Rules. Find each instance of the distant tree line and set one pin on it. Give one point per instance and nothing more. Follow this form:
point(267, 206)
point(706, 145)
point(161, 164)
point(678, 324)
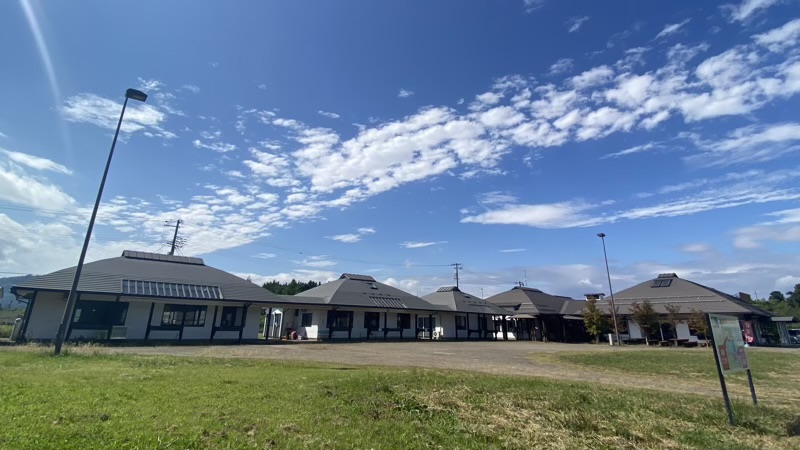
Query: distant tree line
point(781, 304)
point(291, 288)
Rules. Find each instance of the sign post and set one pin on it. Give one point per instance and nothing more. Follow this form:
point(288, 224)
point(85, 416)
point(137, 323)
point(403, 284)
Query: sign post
point(729, 354)
point(718, 359)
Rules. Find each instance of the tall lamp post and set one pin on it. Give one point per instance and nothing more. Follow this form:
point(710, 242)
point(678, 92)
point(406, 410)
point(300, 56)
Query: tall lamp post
point(73, 292)
point(602, 237)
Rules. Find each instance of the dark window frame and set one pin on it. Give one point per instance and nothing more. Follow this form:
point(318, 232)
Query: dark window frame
point(178, 315)
point(238, 313)
point(661, 283)
point(304, 322)
point(404, 321)
point(372, 320)
point(340, 320)
point(461, 322)
point(97, 313)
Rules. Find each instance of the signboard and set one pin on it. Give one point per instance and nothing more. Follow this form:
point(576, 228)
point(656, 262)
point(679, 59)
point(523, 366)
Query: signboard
point(728, 343)
point(749, 335)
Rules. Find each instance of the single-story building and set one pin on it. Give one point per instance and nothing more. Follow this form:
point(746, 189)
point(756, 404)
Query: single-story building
point(540, 316)
point(474, 317)
point(360, 307)
point(144, 297)
point(759, 327)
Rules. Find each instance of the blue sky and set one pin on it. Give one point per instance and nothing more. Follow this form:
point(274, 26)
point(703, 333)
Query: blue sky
point(306, 139)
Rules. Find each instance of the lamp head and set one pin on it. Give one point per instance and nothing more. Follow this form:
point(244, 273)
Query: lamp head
point(601, 235)
point(136, 95)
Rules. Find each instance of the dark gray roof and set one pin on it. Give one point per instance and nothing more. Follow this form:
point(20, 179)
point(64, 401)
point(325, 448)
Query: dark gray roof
point(687, 294)
point(573, 307)
point(456, 300)
point(106, 276)
point(364, 292)
point(525, 300)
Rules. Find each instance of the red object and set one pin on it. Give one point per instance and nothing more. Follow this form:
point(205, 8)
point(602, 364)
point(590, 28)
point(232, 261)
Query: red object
point(723, 357)
point(293, 336)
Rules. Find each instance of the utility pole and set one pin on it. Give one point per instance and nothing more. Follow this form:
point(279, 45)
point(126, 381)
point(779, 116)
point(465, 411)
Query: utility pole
point(175, 237)
point(457, 266)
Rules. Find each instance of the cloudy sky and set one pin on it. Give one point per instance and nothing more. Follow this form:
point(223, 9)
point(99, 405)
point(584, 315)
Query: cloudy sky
point(306, 139)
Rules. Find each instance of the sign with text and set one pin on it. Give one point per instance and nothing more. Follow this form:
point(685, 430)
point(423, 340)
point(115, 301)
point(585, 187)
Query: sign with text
point(729, 343)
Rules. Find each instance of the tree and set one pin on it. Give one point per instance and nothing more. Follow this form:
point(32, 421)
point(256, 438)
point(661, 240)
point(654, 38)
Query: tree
point(593, 319)
point(776, 297)
point(672, 316)
point(793, 297)
point(697, 320)
point(291, 288)
point(645, 316)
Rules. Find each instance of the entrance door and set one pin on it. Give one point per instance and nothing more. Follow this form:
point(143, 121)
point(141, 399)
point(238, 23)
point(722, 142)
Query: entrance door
point(275, 328)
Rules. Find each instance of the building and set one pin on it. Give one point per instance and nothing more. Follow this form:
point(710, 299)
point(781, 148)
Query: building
point(540, 316)
point(760, 327)
point(473, 318)
point(359, 307)
point(145, 297)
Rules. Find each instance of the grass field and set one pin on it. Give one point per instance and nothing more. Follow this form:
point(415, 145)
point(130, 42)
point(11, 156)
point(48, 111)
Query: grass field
point(82, 401)
point(775, 375)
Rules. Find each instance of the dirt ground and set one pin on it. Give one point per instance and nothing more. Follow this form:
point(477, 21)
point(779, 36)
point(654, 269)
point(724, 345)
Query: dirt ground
point(508, 358)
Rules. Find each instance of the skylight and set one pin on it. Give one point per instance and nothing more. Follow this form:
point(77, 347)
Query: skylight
point(661, 282)
point(162, 289)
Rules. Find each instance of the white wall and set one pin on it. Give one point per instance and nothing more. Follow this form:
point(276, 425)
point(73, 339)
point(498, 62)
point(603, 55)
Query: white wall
point(48, 308)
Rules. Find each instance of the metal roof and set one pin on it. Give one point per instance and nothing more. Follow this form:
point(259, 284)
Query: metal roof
point(106, 276)
point(361, 291)
point(455, 300)
point(687, 294)
point(525, 300)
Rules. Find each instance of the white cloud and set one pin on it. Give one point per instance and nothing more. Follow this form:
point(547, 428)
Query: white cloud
point(317, 262)
point(262, 86)
point(635, 149)
point(747, 144)
point(321, 276)
point(512, 250)
point(346, 238)
point(561, 66)
point(220, 147)
point(574, 24)
point(3, 135)
point(496, 197)
point(103, 112)
point(366, 230)
point(672, 29)
point(592, 77)
point(782, 38)
point(533, 5)
point(786, 228)
point(19, 187)
point(696, 248)
point(747, 8)
point(35, 162)
point(408, 285)
point(192, 88)
point(150, 85)
point(327, 114)
point(264, 255)
point(405, 93)
point(556, 215)
point(412, 244)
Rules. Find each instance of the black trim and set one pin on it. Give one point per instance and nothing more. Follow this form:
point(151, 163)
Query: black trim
point(149, 320)
point(244, 321)
point(213, 324)
point(27, 316)
point(72, 316)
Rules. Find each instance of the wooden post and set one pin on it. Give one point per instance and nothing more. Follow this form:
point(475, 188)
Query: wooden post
point(719, 372)
point(350, 330)
point(71, 319)
point(331, 319)
point(416, 330)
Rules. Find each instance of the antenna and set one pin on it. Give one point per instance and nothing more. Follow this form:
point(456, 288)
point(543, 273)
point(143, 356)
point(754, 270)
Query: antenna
point(457, 267)
point(525, 273)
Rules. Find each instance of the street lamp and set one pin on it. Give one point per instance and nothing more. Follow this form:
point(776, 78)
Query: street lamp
point(73, 292)
point(602, 237)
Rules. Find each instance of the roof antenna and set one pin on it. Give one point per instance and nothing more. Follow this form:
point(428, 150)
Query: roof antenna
point(457, 266)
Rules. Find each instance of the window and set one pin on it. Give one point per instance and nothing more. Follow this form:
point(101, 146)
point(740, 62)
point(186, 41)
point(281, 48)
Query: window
point(306, 320)
point(231, 316)
point(461, 322)
point(404, 321)
point(425, 322)
point(661, 282)
point(372, 320)
point(186, 315)
point(161, 289)
point(340, 320)
point(99, 314)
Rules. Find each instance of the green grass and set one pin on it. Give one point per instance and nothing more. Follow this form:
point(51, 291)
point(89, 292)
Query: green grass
point(8, 315)
point(82, 401)
point(5, 330)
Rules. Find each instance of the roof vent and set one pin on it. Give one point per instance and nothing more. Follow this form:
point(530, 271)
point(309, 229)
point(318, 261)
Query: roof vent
point(165, 258)
point(667, 275)
point(356, 277)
